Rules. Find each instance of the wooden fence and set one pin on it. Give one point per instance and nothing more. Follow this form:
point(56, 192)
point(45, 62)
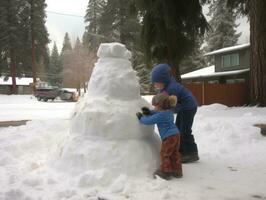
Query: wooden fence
point(235, 94)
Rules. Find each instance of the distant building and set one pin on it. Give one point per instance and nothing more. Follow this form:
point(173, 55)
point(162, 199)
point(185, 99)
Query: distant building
point(227, 81)
point(24, 85)
point(231, 64)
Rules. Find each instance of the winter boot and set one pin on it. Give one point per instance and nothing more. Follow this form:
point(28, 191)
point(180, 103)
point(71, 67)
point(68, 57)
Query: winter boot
point(163, 175)
point(192, 157)
point(177, 174)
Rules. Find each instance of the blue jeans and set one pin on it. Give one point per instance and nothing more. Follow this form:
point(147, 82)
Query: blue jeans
point(184, 121)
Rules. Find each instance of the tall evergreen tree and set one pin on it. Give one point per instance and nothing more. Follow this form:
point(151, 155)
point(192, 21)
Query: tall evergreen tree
point(91, 37)
point(43, 66)
point(11, 35)
point(120, 23)
point(114, 21)
point(195, 60)
point(223, 24)
point(55, 68)
point(171, 27)
point(66, 44)
point(255, 10)
point(16, 28)
point(38, 34)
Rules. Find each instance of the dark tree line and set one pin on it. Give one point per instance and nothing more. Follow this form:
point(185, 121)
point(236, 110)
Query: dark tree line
point(23, 37)
point(154, 30)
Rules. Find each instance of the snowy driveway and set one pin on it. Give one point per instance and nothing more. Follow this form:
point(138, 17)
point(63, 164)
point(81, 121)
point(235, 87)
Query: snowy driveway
point(26, 107)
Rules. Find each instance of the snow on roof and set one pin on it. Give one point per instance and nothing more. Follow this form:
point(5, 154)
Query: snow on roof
point(200, 72)
point(210, 72)
point(19, 81)
point(228, 49)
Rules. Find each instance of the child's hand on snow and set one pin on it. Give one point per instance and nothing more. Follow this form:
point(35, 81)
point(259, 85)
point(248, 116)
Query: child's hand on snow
point(146, 111)
point(139, 115)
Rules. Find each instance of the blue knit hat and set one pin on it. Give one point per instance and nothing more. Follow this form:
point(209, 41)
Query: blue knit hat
point(161, 73)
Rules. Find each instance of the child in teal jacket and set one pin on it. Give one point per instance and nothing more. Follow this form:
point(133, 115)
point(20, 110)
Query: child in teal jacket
point(164, 118)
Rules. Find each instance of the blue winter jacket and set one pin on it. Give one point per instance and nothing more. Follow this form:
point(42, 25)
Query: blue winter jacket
point(164, 121)
point(161, 73)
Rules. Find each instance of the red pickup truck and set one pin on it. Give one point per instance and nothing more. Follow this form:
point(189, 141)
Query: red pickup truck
point(51, 93)
point(46, 93)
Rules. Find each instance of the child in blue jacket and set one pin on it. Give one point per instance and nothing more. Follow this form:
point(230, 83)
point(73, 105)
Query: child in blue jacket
point(186, 109)
point(164, 118)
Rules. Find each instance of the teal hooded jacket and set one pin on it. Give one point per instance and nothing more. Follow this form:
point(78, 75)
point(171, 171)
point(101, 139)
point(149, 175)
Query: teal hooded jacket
point(164, 121)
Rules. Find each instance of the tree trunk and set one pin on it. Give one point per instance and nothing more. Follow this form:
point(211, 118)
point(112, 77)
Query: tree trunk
point(33, 61)
point(258, 51)
point(13, 71)
point(172, 60)
point(33, 52)
point(122, 14)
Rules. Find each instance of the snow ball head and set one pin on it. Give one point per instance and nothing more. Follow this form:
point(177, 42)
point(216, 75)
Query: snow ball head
point(113, 50)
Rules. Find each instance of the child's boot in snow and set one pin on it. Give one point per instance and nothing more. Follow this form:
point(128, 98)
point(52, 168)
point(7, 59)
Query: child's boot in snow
point(177, 174)
point(163, 175)
point(192, 157)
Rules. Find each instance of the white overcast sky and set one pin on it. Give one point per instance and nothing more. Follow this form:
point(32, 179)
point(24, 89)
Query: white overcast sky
point(58, 25)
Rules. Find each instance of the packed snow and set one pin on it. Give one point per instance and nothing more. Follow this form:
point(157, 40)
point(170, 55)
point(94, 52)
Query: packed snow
point(54, 157)
point(232, 158)
point(106, 118)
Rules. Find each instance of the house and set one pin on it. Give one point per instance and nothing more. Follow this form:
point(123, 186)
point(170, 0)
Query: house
point(24, 85)
point(226, 81)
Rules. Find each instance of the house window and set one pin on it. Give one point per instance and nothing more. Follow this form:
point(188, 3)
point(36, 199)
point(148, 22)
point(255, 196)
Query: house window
point(230, 60)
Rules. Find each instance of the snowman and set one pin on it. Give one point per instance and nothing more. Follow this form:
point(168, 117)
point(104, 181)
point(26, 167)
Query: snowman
point(106, 138)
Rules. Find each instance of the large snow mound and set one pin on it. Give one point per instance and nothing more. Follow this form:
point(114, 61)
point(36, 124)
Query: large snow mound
point(105, 132)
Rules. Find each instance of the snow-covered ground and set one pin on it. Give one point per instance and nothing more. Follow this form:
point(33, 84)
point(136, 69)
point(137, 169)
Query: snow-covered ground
point(26, 107)
point(232, 158)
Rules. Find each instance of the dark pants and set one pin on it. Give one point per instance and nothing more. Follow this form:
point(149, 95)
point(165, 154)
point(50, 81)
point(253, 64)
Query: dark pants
point(184, 122)
point(170, 156)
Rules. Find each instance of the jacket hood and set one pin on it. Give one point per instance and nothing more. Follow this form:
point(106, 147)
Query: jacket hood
point(161, 73)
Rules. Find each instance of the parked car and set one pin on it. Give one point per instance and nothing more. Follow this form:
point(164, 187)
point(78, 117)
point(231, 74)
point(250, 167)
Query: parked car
point(46, 93)
point(68, 94)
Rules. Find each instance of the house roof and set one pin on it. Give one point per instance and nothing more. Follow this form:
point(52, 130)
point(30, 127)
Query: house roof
point(208, 72)
point(19, 81)
point(228, 49)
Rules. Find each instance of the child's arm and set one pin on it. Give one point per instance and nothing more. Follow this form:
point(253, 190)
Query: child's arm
point(149, 120)
point(147, 111)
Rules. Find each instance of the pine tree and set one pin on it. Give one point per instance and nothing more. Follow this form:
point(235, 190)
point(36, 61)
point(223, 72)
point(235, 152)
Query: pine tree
point(91, 37)
point(119, 23)
point(195, 60)
point(223, 24)
point(43, 66)
point(66, 44)
point(55, 68)
point(11, 32)
point(171, 27)
point(38, 34)
point(143, 72)
point(16, 28)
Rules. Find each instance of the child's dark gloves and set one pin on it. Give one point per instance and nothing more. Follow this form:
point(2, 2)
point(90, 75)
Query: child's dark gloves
point(139, 115)
point(146, 111)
